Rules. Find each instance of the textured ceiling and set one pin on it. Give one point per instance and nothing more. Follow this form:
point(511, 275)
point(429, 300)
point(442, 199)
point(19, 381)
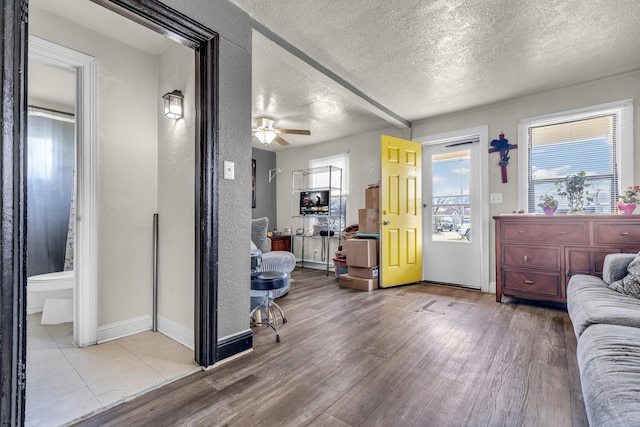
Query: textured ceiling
point(415, 58)
point(421, 58)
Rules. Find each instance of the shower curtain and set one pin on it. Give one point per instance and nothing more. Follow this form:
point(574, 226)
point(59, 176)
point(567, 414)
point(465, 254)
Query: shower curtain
point(50, 188)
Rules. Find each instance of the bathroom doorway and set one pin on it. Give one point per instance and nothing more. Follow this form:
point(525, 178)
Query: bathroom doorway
point(62, 88)
point(204, 43)
point(146, 165)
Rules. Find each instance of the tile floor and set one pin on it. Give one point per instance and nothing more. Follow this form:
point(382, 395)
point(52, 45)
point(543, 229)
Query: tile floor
point(65, 382)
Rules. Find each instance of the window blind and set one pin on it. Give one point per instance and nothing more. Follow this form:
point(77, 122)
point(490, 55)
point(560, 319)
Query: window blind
point(593, 142)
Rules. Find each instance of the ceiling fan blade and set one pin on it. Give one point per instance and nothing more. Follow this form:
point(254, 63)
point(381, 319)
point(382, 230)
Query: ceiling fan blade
point(295, 131)
point(281, 141)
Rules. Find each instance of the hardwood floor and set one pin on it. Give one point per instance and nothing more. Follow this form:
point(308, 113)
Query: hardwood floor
point(417, 355)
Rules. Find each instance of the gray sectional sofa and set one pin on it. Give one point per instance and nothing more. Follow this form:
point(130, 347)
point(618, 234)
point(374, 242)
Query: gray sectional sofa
point(607, 325)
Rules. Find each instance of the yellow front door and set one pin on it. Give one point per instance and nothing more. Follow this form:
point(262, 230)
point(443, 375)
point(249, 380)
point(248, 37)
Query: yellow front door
point(400, 212)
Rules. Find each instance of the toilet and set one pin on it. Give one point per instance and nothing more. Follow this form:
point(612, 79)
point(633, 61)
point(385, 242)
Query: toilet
point(51, 294)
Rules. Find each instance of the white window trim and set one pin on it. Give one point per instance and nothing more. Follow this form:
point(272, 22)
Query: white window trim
point(624, 154)
point(326, 160)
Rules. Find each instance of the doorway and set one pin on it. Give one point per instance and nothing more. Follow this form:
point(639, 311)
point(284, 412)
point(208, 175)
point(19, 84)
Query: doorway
point(13, 287)
point(455, 214)
point(82, 104)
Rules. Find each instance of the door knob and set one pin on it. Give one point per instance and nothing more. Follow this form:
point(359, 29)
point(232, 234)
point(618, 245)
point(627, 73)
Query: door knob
point(385, 222)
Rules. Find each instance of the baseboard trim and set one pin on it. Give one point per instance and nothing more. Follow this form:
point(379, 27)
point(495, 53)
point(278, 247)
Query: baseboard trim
point(113, 331)
point(176, 332)
point(230, 346)
point(492, 287)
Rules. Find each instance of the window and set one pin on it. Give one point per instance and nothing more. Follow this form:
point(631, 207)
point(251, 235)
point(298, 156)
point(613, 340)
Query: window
point(339, 185)
point(596, 140)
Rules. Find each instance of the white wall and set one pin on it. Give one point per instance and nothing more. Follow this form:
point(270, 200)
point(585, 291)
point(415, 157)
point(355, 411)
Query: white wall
point(504, 117)
point(127, 163)
point(176, 198)
point(364, 169)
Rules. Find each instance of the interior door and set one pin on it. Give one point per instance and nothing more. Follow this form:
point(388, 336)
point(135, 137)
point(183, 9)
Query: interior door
point(453, 228)
point(401, 212)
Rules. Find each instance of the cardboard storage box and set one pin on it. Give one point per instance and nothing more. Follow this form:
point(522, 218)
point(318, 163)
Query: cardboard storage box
point(361, 252)
point(346, 281)
point(363, 272)
point(372, 198)
point(369, 221)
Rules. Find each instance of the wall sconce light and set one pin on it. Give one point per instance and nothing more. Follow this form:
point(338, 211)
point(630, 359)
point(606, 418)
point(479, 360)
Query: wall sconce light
point(266, 136)
point(173, 104)
point(273, 173)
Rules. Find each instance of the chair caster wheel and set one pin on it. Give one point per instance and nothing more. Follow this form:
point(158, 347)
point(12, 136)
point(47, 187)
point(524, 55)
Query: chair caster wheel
point(277, 338)
point(284, 320)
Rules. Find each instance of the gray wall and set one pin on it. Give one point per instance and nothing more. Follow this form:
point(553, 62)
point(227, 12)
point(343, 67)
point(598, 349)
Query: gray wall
point(234, 218)
point(266, 192)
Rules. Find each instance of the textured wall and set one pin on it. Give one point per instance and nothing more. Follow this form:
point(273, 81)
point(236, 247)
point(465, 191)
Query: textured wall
point(266, 192)
point(176, 196)
point(235, 145)
point(504, 117)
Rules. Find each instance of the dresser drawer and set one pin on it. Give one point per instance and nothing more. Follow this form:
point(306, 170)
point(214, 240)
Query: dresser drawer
point(569, 232)
point(617, 234)
point(534, 285)
point(531, 256)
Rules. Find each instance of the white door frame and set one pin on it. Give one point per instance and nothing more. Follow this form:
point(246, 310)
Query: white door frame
point(483, 197)
point(85, 296)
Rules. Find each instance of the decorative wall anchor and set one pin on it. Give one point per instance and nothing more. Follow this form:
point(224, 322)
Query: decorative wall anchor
point(502, 146)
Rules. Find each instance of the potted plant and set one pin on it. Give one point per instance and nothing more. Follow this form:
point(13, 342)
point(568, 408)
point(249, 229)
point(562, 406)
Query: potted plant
point(574, 189)
point(548, 204)
point(629, 200)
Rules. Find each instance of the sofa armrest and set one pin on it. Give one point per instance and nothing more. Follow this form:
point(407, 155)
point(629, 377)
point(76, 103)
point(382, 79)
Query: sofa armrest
point(615, 267)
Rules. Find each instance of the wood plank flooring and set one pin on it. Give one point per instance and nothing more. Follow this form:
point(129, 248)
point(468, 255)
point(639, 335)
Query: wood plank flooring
point(417, 355)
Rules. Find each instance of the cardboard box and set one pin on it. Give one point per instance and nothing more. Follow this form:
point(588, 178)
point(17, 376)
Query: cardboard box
point(369, 221)
point(361, 252)
point(346, 281)
point(372, 198)
point(363, 272)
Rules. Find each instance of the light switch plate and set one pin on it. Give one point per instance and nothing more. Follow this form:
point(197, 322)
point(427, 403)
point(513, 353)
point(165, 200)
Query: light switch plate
point(495, 198)
point(229, 170)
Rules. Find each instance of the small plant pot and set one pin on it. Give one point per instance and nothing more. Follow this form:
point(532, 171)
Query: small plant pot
point(549, 210)
point(626, 208)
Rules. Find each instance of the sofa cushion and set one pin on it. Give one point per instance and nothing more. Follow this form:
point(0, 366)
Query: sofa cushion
point(609, 361)
point(615, 266)
point(629, 284)
point(259, 234)
point(591, 301)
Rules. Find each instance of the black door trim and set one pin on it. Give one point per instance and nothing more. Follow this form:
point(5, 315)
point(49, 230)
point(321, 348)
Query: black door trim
point(205, 42)
point(13, 255)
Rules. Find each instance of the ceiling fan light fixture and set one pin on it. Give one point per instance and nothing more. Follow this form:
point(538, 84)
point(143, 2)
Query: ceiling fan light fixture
point(265, 136)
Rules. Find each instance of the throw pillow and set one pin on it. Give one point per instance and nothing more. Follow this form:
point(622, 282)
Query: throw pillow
point(629, 284)
point(259, 234)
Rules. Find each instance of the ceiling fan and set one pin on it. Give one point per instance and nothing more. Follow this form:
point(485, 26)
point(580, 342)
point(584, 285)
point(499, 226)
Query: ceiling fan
point(266, 133)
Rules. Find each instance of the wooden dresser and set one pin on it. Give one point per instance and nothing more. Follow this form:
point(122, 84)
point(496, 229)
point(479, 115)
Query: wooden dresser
point(536, 255)
point(281, 242)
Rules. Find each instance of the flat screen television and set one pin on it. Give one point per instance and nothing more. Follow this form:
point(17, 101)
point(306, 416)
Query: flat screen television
point(314, 202)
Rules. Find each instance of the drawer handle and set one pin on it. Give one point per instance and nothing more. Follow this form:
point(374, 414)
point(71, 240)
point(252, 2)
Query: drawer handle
point(528, 282)
point(521, 231)
point(525, 258)
point(624, 233)
point(562, 232)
